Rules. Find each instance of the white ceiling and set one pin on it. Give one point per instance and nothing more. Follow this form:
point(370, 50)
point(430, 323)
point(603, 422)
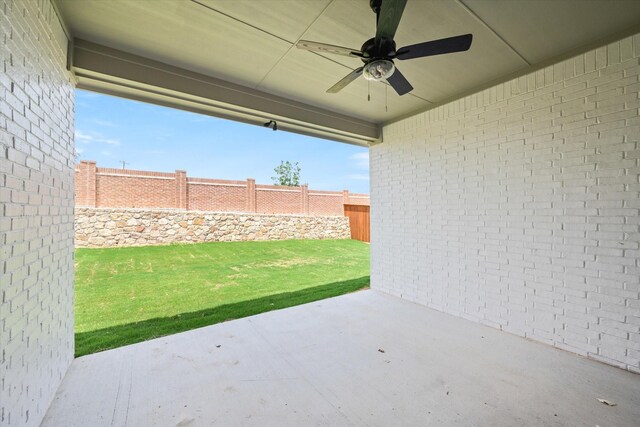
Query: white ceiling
point(251, 42)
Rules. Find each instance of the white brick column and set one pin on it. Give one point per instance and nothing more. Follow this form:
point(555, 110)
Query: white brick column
point(36, 210)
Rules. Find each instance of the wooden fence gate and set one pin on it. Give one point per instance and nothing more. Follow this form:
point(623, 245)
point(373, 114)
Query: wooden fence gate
point(358, 221)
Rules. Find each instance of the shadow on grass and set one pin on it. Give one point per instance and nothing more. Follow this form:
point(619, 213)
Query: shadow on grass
point(117, 336)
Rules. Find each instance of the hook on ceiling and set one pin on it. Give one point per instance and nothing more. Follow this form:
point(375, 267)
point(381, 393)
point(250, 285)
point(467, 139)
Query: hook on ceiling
point(271, 124)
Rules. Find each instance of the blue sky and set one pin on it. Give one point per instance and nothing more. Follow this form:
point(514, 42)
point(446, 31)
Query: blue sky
point(150, 137)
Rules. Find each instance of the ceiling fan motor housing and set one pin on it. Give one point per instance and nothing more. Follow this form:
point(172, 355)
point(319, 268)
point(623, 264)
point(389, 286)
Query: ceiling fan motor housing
point(378, 48)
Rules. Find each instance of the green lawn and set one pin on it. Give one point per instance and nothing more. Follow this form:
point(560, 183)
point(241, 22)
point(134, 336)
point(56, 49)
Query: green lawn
point(128, 295)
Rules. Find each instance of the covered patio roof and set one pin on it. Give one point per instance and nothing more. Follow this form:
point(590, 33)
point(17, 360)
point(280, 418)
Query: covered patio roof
point(360, 359)
point(237, 59)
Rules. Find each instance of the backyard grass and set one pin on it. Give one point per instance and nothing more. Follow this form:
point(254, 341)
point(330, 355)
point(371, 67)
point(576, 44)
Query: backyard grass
point(128, 295)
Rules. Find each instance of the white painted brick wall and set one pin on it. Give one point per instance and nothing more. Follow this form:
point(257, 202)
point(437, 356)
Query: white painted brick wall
point(36, 210)
point(519, 206)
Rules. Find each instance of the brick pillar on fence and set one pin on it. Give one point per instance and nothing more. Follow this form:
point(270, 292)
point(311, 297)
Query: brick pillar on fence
point(304, 193)
point(181, 189)
point(252, 205)
point(86, 183)
point(345, 199)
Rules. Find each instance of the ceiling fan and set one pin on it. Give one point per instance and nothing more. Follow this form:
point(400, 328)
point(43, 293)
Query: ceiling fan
point(379, 52)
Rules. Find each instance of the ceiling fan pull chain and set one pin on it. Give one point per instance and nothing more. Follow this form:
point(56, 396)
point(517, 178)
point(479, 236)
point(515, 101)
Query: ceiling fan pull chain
point(369, 90)
point(386, 104)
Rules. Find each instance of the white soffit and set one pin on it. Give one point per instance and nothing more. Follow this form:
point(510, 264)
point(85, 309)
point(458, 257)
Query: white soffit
point(115, 72)
point(251, 43)
point(537, 28)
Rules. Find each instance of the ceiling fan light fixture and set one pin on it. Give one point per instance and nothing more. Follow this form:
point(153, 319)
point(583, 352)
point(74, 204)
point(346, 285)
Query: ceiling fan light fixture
point(378, 70)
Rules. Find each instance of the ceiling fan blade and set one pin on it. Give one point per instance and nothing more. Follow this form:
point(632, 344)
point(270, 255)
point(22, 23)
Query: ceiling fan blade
point(329, 48)
point(436, 47)
point(345, 81)
point(399, 83)
point(389, 18)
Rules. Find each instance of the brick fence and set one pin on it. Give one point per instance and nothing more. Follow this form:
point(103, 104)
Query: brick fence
point(125, 188)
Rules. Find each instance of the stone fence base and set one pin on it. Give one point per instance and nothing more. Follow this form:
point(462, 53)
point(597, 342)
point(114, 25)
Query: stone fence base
point(109, 227)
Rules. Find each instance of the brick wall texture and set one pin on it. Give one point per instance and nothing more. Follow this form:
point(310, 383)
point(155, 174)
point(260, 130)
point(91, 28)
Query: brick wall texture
point(518, 206)
point(36, 210)
point(125, 188)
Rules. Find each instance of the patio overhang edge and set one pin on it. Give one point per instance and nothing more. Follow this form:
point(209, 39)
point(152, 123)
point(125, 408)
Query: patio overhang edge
point(106, 70)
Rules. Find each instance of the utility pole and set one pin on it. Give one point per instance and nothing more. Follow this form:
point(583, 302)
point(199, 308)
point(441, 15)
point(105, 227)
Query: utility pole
point(123, 163)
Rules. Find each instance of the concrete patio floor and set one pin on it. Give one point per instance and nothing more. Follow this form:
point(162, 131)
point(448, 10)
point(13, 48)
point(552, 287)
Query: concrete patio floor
point(322, 364)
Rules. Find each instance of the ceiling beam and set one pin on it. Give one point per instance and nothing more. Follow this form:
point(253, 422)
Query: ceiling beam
point(112, 71)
